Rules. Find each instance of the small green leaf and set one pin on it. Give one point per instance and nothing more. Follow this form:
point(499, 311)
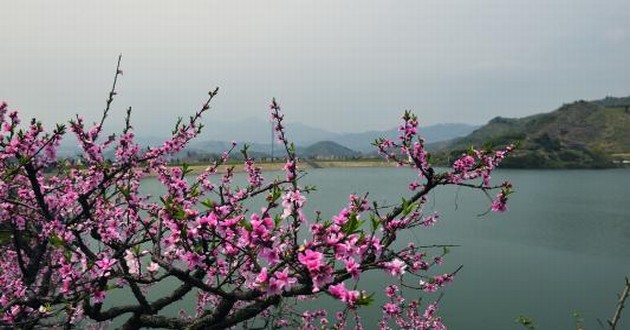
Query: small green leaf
point(275, 193)
point(179, 213)
point(185, 169)
point(526, 322)
point(375, 221)
point(352, 225)
point(124, 191)
point(56, 241)
point(67, 254)
point(404, 203)
point(310, 188)
point(5, 237)
point(365, 300)
point(208, 203)
point(277, 219)
point(409, 208)
point(247, 225)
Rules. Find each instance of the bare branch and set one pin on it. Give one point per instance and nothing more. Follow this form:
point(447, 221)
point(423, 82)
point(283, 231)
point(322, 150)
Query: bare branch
point(613, 322)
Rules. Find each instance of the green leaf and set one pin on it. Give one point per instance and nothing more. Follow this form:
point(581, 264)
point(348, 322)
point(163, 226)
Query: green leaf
point(410, 207)
point(165, 202)
point(526, 322)
point(67, 254)
point(179, 213)
point(277, 219)
point(247, 225)
point(184, 231)
point(185, 169)
point(275, 193)
point(404, 203)
point(310, 188)
point(5, 237)
point(470, 151)
point(124, 191)
point(375, 221)
point(208, 203)
point(56, 241)
point(352, 225)
point(365, 300)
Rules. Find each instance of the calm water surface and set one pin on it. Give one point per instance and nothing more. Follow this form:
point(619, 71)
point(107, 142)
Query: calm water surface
point(564, 245)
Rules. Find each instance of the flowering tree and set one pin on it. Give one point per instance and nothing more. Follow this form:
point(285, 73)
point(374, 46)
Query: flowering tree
point(72, 234)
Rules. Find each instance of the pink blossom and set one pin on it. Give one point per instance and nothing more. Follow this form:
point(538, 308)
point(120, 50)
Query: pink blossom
point(269, 255)
point(153, 267)
point(193, 259)
point(99, 296)
point(352, 267)
point(281, 281)
point(391, 309)
point(428, 287)
point(104, 265)
point(311, 259)
point(391, 290)
point(262, 278)
point(340, 292)
point(396, 267)
point(132, 263)
point(430, 311)
point(499, 204)
point(463, 164)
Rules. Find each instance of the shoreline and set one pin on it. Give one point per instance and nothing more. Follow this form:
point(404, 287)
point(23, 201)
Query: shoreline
point(196, 169)
point(304, 164)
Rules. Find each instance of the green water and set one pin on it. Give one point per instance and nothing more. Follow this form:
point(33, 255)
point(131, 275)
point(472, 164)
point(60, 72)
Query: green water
point(564, 245)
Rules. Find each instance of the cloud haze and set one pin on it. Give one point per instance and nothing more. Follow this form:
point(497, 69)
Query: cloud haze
point(339, 65)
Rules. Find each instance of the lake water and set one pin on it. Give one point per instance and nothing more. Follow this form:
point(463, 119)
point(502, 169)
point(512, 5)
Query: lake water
point(564, 245)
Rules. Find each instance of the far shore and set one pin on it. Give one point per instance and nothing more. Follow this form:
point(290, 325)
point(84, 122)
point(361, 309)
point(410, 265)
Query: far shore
point(303, 164)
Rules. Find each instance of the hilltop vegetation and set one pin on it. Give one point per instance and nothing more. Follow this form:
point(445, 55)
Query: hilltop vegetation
point(577, 135)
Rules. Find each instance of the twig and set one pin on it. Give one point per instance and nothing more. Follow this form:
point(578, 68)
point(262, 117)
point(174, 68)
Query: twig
point(110, 97)
point(620, 304)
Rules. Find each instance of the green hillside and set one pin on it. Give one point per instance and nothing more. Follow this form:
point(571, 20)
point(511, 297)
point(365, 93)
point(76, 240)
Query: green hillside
point(577, 135)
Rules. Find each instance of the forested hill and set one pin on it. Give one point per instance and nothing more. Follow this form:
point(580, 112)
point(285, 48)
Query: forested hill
point(577, 135)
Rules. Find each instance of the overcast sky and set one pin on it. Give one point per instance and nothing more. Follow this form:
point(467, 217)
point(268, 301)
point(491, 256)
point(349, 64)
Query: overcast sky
point(339, 65)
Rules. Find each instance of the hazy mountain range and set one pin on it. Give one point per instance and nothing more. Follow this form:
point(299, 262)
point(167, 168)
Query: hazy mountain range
point(216, 137)
point(582, 134)
point(258, 132)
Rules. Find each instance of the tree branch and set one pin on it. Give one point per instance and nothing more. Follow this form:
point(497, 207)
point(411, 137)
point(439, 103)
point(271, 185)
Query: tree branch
point(620, 304)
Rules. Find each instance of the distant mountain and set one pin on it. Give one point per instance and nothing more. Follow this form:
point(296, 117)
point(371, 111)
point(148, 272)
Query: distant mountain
point(216, 137)
point(258, 134)
point(328, 150)
point(577, 135)
point(259, 131)
point(436, 133)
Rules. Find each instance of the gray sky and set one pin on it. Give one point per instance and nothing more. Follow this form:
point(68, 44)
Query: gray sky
point(339, 65)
